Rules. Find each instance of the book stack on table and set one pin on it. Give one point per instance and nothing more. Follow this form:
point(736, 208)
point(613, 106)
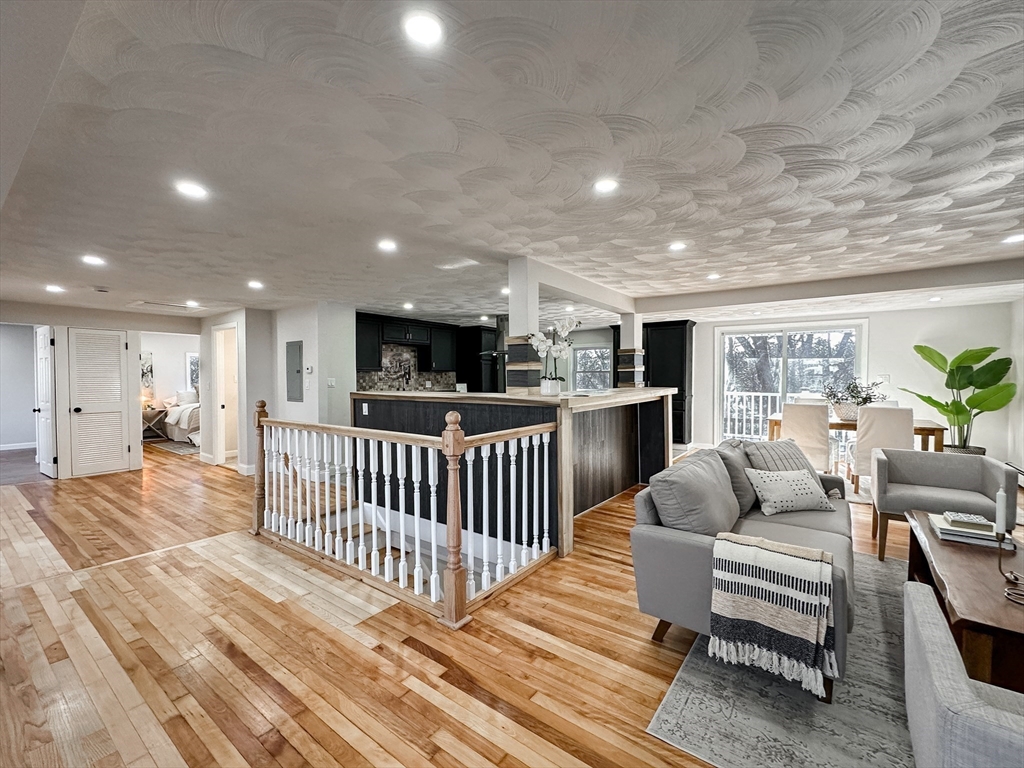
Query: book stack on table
point(965, 528)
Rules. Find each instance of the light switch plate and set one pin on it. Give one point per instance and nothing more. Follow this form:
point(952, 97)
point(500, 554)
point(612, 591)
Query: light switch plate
point(331, 383)
point(884, 378)
point(307, 383)
point(430, 384)
point(366, 409)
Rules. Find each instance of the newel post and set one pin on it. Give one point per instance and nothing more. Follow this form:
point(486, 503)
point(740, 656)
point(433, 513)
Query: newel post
point(259, 494)
point(453, 445)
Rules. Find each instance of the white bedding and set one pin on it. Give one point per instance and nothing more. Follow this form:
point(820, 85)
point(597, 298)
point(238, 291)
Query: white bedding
point(180, 413)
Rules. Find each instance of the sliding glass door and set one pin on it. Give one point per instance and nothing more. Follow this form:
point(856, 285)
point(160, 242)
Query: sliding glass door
point(762, 369)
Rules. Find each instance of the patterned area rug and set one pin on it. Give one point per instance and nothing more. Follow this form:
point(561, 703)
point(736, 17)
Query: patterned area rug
point(181, 449)
point(736, 717)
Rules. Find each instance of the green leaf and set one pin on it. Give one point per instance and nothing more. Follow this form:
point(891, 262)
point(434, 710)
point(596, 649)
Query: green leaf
point(959, 377)
point(972, 356)
point(992, 372)
point(932, 356)
point(939, 406)
point(958, 414)
point(993, 398)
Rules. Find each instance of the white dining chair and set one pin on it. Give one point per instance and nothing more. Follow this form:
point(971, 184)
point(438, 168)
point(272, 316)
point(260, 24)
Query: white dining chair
point(807, 425)
point(878, 426)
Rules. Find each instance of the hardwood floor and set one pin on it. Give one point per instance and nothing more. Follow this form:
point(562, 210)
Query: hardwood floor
point(220, 649)
point(20, 466)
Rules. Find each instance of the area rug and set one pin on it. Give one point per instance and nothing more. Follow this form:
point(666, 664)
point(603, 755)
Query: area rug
point(736, 717)
point(181, 449)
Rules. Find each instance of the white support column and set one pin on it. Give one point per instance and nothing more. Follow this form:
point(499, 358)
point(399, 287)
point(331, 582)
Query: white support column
point(629, 357)
point(523, 299)
point(632, 331)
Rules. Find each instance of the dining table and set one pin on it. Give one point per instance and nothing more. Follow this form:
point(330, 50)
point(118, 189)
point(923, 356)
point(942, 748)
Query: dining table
point(930, 432)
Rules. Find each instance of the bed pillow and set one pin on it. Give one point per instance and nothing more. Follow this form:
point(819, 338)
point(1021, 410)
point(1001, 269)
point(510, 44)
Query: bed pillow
point(792, 491)
point(779, 456)
point(170, 402)
point(188, 397)
point(695, 495)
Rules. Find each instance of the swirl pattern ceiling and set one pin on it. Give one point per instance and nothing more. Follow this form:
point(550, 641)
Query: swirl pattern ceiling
point(780, 141)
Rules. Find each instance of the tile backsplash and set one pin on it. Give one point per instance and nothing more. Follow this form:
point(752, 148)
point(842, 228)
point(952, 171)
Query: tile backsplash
point(400, 373)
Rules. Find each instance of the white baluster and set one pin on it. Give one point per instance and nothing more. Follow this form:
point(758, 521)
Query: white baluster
point(485, 568)
point(374, 552)
point(513, 454)
point(291, 485)
point(389, 560)
point(535, 550)
point(470, 567)
point(499, 566)
point(524, 553)
point(309, 487)
point(336, 455)
point(403, 565)
point(279, 524)
point(546, 542)
point(350, 547)
point(360, 465)
point(435, 579)
point(318, 535)
point(328, 544)
point(417, 473)
point(268, 476)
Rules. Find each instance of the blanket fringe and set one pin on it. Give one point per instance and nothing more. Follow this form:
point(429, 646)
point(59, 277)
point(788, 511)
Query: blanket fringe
point(752, 655)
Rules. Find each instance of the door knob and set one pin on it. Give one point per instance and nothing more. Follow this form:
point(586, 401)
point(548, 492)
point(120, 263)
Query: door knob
point(37, 410)
point(78, 410)
point(222, 406)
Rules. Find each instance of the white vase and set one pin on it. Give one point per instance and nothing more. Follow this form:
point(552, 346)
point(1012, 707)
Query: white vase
point(549, 387)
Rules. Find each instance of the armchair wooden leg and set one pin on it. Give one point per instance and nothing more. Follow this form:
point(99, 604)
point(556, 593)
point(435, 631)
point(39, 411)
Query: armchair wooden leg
point(660, 630)
point(827, 698)
point(847, 470)
point(856, 483)
point(883, 529)
point(874, 522)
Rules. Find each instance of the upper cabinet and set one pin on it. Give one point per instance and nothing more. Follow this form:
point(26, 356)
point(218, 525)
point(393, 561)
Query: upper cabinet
point(368, 357)
point(405, 333)
point(442, 349)
point(434, 343)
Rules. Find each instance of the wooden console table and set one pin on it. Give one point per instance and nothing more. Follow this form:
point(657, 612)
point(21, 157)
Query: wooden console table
point(988, 628)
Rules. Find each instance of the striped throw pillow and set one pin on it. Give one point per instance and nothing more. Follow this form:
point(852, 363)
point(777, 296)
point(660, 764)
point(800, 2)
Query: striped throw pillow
point(779, 456)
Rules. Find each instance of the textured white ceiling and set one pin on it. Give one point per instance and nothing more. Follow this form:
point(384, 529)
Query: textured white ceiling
point(782, 141)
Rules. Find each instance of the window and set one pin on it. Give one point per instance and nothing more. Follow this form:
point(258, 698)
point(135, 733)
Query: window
point(762, 369)
point(593, 368)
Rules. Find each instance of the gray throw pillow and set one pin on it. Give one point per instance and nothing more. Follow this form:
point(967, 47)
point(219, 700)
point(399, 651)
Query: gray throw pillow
point(780, 456)
point(735, 459)
point(695, 495)
point(792, 491)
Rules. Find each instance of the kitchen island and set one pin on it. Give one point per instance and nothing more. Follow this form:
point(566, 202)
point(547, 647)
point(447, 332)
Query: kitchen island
point(606, 441)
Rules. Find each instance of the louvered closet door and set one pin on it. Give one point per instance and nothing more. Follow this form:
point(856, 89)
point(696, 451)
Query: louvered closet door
point(99, 400)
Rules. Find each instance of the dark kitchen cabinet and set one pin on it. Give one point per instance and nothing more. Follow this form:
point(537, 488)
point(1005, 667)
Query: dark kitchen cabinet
point(477, 366)
point(368, 356)
point(668, 362)
point(405, 333)
point(440, 355)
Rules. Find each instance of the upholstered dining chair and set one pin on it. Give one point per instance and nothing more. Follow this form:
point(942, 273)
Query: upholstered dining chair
point(878, 427)
point(807, 425)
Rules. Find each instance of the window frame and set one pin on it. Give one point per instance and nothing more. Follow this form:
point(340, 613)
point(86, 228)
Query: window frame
point(610, 371)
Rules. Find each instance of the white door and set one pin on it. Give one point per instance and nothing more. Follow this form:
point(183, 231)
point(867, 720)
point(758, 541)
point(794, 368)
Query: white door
point(46, 429)
point(98, 367)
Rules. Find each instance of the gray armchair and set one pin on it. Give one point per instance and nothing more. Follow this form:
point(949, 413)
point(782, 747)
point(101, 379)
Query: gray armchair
point(955, 722)
point(935, 482)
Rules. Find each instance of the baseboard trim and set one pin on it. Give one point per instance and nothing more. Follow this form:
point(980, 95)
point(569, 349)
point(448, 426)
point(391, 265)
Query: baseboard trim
point(206, 458)
point(246, 469)
point(16, 446)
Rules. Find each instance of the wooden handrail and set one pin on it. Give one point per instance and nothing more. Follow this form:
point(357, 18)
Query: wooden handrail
point(405, 438)
point(510, 434)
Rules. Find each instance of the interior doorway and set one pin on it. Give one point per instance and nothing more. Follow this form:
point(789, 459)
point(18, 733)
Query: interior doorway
point(46, 427)
point(225, 443)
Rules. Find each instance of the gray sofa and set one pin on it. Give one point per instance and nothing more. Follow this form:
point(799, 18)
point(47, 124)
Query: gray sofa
point(673, 567)
point(955, 722)
point(935, 482)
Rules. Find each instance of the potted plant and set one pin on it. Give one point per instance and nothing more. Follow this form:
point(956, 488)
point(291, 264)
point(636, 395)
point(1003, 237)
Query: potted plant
point(845, 399)
point(556, 348)
point(988, 392)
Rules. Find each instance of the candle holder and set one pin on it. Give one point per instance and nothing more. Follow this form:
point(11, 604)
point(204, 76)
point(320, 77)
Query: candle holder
point(1014, 592)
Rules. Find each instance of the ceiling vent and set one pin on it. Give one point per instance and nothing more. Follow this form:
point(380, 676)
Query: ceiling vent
point(163, 307)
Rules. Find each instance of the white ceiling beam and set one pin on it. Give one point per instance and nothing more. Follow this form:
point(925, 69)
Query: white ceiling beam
point(959, 276)
point(580, 289)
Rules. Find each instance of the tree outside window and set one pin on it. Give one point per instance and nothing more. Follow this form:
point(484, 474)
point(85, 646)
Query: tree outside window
point(593, 368)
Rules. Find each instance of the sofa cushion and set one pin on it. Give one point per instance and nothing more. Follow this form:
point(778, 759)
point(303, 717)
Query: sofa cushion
point(735, 459)
point(840, 546)
point(838, 521)
point(695, 495)
point(788, 491)
point(902, 497)
point(779, 456)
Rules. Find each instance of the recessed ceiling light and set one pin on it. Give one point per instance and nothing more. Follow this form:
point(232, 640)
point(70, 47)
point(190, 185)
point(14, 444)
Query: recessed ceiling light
point(1014, 239)
point(570, 308)
point(551, 327)
point(191, 303)
point(757, 313)
point(483, 317)
point(423, 28)
point(388, 246)
point(191, 189)
point(505, 291)
point(678, 245)
point(255, 284)
point(605, 186)
point(54, 289)
point(94, 261)
point(407, 305)
point(714, 276)
point(935, 298)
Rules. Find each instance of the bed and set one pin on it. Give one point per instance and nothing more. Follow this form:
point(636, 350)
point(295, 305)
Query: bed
point(182, 421)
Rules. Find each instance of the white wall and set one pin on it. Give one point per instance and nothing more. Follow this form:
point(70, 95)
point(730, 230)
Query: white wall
point(17, 386)
point(297, 324)
point(891, 337)
point(169, 372)
point(1015, 411)
point(82, 317)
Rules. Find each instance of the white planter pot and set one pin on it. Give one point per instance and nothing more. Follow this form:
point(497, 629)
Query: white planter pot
point(549, 387)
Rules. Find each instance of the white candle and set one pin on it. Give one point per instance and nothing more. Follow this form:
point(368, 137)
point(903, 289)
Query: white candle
point(1001, 511)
